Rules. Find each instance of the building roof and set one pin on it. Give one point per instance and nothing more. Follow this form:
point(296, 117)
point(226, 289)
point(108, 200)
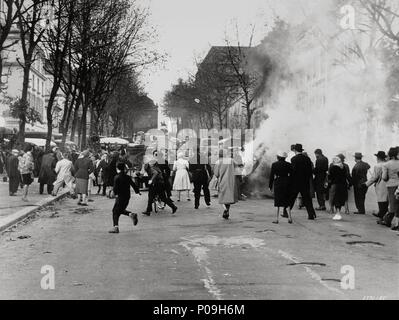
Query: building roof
point(218, 53)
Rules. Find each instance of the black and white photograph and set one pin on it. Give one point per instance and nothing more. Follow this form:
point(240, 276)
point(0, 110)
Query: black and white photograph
point(213, 152)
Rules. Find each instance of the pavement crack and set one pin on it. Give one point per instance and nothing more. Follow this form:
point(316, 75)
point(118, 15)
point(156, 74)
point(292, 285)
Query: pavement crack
point(307, 263)
point(366, 243)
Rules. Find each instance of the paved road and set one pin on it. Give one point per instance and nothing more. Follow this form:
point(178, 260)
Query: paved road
point(197, 255)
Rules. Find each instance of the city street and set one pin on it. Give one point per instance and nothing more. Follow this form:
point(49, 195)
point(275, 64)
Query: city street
point(195, 254)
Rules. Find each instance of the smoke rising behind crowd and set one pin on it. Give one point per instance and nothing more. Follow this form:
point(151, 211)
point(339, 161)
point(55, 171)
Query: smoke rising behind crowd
point(328, 88)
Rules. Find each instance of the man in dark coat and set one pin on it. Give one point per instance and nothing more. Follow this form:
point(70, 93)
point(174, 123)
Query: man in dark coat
point(359, 179)
point(111, 172)
point(47, 173)
point(156, 186)
point(320, 177)
point(13, 172)
point(38, 154)
point(302, 172)
point(201, 173)
point(163, 164)
point(122, 184)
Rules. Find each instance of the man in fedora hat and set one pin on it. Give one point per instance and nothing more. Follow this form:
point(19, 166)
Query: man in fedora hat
point(380, 185)
point(302, 172)
point(359, 179)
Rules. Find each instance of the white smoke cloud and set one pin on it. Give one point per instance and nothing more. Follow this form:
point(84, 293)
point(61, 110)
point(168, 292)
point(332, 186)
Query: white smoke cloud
point(350, 90)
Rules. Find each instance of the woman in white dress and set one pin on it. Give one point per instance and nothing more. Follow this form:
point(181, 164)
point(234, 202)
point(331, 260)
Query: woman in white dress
point(182, 178)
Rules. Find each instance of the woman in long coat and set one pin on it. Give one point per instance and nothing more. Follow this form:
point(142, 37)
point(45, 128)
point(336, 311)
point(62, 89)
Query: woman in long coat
point(224, 172)
point(338, 186)
point(380, 185)
point(83, 168)
point(280, 176)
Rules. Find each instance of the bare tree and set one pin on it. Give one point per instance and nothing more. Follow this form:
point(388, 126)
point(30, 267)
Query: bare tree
point(248, 73)
point(57, 42)
point(215, 86)
point(385, 14)
point(9, 15)
point(109, 42)
point(31, 32)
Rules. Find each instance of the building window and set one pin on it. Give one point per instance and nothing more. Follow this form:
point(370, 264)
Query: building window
point(38, 85)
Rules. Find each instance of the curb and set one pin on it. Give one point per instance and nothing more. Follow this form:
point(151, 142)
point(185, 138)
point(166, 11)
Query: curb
point(20, 215)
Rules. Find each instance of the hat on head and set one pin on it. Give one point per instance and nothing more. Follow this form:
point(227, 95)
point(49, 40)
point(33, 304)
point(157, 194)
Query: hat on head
point(15, 151)
point(341, 156)
point(337, 160)
point(121, 166)
point(298, 147)
point(282, 154)
point(318, 151)
point(358, 155)
point(381, 155)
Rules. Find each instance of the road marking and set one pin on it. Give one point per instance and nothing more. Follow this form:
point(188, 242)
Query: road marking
point(197, 246)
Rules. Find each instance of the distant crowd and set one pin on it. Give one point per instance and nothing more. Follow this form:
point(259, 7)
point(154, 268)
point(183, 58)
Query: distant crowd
point(293, 177)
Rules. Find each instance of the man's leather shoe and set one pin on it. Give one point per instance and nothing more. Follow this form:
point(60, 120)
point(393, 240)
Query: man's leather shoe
point(174, 209)
point(147, 213)
point(359, 213)
point(114, 230)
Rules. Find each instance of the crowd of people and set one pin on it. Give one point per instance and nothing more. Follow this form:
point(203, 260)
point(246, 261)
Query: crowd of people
point(293, 177)
point(295, 173)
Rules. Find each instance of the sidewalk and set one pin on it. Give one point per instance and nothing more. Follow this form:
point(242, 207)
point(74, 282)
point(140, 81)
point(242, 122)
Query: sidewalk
point(13, 209)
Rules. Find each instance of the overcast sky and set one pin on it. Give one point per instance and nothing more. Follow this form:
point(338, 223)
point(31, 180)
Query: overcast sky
point(188, 28)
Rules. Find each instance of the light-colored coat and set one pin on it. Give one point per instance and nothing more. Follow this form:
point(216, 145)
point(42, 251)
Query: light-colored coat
point(63, 170)
point(380, 185)
point(224, 171)
point(182, 178)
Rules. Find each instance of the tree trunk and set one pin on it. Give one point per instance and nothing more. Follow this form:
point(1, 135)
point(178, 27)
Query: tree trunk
point(49, 113)
point(24, 100)
point(75, 116)
point(249, 114)
point(1, 73)
point(64, 121)
point(83, 127)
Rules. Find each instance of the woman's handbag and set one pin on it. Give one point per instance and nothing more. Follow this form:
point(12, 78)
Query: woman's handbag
point(213, 184)
point(209, 178)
